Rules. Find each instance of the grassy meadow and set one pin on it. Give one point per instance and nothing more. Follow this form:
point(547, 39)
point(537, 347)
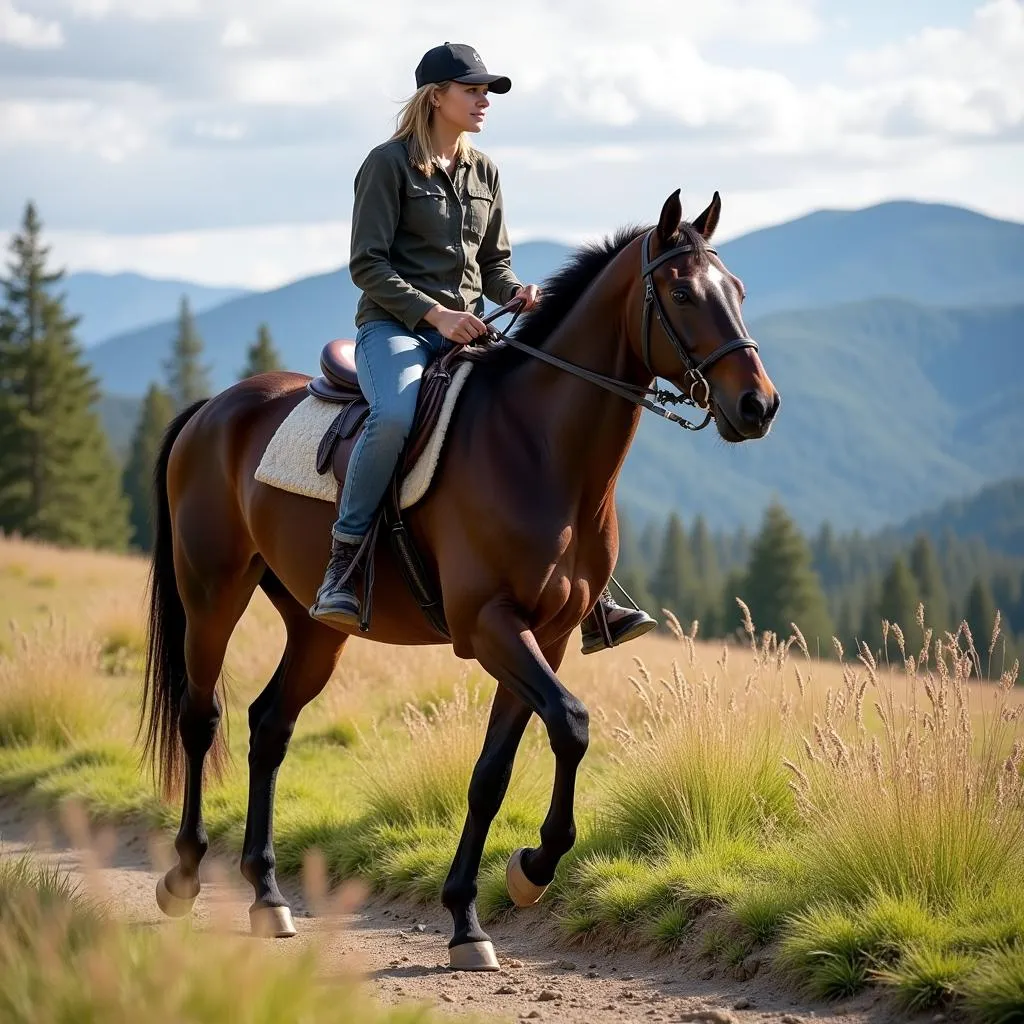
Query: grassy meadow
point(843, 823)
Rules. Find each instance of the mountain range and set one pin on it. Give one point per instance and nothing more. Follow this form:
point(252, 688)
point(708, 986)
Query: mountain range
point(110, 304)
point(893, 333)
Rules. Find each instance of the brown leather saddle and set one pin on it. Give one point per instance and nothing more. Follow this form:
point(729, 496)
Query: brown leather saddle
point(339, 383)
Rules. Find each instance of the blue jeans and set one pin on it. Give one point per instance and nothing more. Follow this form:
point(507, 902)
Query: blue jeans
point(390, 360)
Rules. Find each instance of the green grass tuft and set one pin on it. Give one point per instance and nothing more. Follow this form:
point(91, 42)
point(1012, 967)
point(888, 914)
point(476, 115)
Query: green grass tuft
point(339, 733)
point(926, 978)
point(690, 790)
point(825, 952)
point(762, 909)
point(670, 928)
point(994, 993)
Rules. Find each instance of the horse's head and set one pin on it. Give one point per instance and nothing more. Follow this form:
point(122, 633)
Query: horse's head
point(692, 331)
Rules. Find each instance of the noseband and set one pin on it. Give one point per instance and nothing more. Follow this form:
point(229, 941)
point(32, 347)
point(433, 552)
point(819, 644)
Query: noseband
point(650, 398)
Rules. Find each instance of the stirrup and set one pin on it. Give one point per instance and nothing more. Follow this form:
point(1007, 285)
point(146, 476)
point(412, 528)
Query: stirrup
point(599, 634)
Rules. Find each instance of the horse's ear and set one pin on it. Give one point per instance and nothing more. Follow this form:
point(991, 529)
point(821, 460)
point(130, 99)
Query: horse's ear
point(671, 215)
point(706, 223)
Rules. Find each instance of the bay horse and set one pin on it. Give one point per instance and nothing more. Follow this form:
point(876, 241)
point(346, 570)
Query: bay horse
point(518, 530)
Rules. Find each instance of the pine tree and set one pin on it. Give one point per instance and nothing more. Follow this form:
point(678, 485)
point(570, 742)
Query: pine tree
point(631, 570)
point(782, 588)
point(649, 542)
point(157, 411)
point(707, 579)
point(58, 479)
point(870, 631)
point(899, 600)
point(730, 618)
point(930, 587)
point(673, 578)
point(980, 613)
point(187, 378)
point(846, 619)
point(827, 557)
point(262, 356)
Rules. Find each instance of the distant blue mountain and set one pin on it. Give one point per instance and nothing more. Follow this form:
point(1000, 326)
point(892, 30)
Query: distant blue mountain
point(111, 304)
point(888, 409)
point(926, 252)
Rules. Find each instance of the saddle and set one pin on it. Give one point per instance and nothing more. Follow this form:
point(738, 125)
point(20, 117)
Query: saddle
point(339, 383)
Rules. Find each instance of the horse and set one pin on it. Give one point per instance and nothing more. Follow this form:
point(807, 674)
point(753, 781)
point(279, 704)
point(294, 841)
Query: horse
point(518, 529)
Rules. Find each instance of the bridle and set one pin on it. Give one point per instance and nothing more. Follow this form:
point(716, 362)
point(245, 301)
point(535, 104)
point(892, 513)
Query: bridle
point(649, 398)
point(652, 305)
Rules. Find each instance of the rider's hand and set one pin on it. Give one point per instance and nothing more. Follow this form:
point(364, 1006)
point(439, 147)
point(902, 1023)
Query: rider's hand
point(462, 328)
point(530, 294)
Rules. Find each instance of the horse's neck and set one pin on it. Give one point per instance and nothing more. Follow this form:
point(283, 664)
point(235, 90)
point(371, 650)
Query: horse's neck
point(584, 430)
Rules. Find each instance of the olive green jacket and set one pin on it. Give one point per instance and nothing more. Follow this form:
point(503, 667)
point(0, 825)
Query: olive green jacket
point(419, 241)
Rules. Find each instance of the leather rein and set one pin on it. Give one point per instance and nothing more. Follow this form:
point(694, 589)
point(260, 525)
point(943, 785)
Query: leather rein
point(648, 398)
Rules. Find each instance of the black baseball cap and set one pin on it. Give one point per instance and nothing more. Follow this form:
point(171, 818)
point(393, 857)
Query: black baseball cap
point(457, 62)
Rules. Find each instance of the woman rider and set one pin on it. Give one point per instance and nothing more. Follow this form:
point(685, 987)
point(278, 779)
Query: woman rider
point(429, 241)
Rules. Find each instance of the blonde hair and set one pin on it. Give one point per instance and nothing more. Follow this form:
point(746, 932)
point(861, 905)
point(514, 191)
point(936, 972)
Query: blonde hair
point(414, 126)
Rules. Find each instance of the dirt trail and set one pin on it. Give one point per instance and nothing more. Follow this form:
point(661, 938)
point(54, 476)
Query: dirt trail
point(402, 949)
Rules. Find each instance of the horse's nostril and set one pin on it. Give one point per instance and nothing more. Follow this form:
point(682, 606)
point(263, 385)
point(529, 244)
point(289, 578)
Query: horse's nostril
point(754, 409)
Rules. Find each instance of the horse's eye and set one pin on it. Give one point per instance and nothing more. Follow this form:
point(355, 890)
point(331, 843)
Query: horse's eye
point(680, 295)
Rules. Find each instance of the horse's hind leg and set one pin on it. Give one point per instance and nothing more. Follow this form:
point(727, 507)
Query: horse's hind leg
point(309, 658)
point(213, 605)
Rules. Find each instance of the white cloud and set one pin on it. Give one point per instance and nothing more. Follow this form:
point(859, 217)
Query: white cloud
point(142, 10)
point(961, 82)
point(256, 257)
point(27, 31)
point(73, 127)
point(220, 131)
point(237, 35)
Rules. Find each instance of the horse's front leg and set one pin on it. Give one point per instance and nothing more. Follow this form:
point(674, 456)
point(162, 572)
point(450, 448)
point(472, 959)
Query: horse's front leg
point(505, 646)
point(470, 948)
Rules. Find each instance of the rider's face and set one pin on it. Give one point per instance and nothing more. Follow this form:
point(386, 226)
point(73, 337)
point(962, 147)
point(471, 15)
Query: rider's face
point(464, 107)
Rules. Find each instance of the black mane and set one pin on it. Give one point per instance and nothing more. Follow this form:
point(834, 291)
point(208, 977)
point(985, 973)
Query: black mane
point(565, 287)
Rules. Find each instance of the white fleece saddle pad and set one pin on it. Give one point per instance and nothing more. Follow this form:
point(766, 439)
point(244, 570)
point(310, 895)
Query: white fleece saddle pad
point(289, 462)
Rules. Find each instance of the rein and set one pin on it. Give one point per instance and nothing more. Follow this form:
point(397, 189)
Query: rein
point(648, 398)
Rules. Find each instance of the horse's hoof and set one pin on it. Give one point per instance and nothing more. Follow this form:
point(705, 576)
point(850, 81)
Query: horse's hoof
point(171, 905)
point(473, 956)
point(522, 891)
point(271, 922)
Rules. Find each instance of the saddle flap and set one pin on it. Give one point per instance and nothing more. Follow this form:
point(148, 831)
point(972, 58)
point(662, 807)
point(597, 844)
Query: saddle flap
point(338, 363)
point(348, 421)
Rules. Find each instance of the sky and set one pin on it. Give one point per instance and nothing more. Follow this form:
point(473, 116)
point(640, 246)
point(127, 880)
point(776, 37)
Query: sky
point(217, 140)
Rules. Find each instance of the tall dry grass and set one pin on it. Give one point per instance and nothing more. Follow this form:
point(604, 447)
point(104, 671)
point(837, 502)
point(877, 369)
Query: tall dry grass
point(48, 687)
point(930, 806)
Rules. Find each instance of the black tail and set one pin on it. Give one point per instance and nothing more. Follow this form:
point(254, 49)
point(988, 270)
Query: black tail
point(166, 676)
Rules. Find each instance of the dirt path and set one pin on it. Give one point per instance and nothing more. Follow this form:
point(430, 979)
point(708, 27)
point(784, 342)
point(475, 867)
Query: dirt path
point(402, 949)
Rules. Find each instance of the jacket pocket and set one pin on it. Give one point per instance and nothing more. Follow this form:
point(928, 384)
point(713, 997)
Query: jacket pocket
point(426, 211)
point(478, 209)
